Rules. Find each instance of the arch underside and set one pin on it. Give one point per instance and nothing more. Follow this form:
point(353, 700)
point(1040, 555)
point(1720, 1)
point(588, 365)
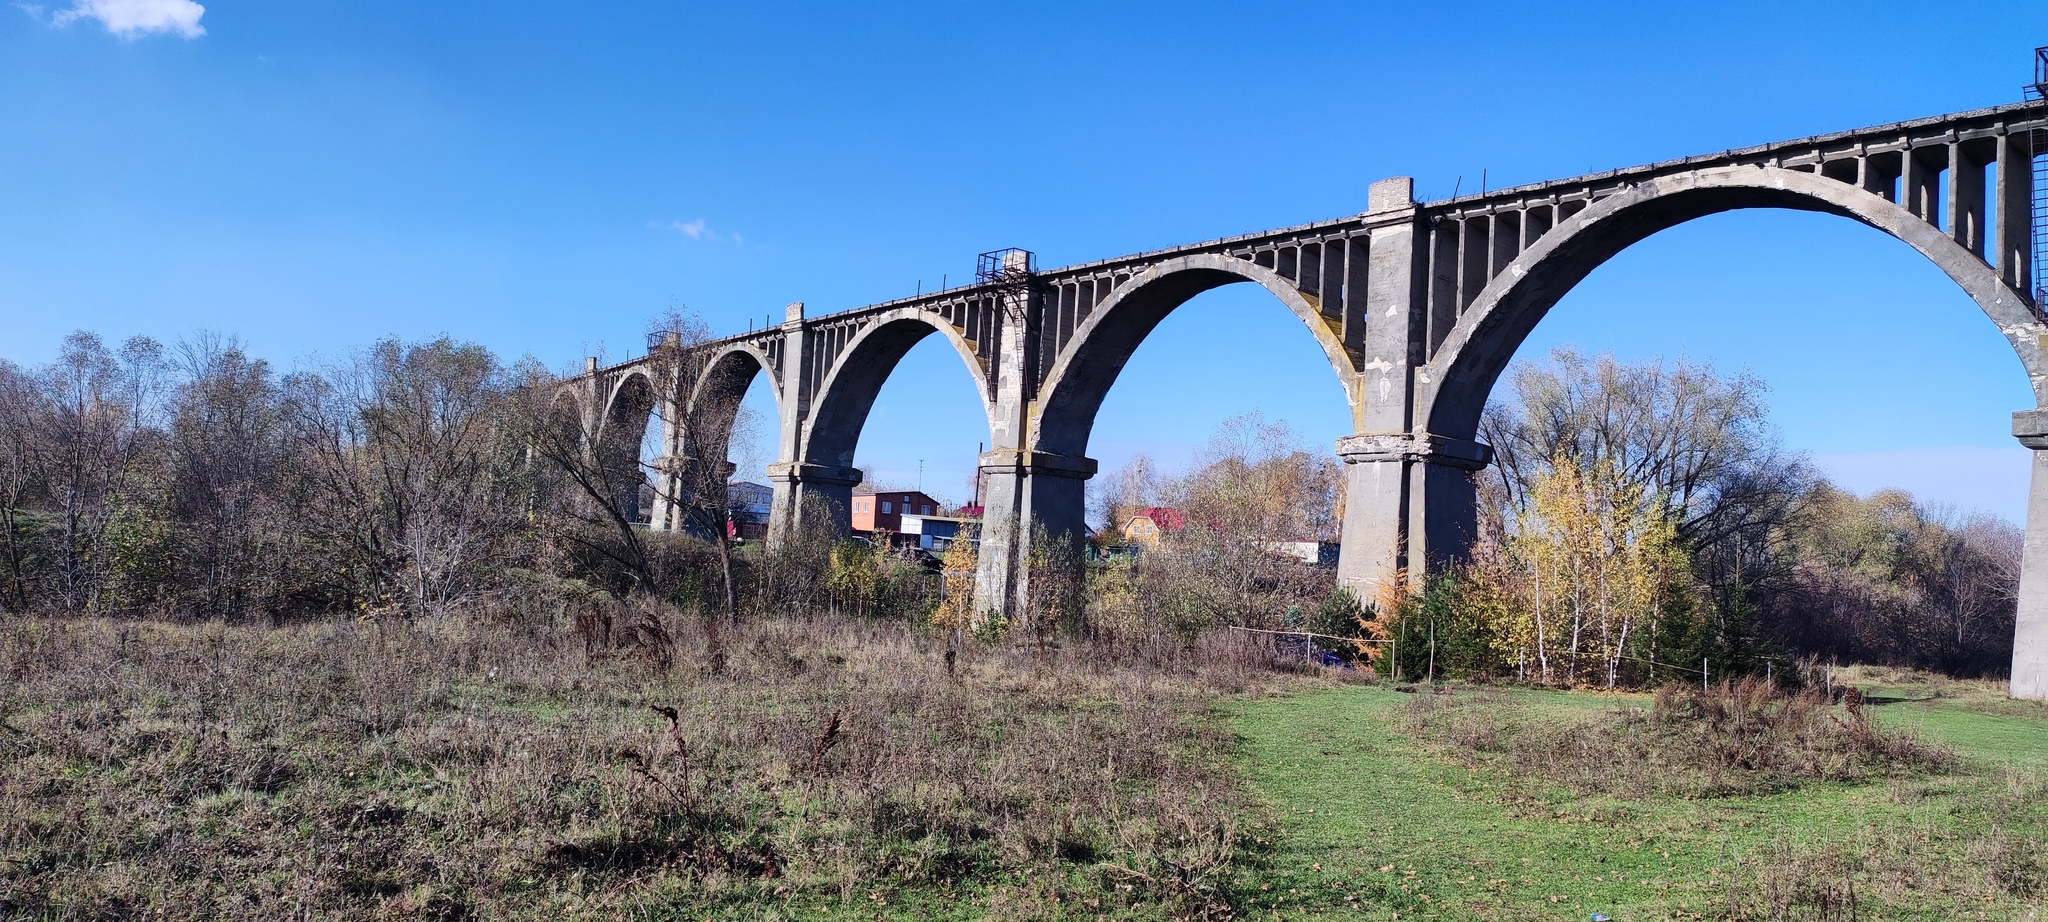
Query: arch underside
point(626, 415)
point(1082, 375)
point(848, 393)
point(714, 404)
point(1454, 387)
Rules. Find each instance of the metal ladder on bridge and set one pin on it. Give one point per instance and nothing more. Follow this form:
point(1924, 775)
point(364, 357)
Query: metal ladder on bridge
point(2038, 215)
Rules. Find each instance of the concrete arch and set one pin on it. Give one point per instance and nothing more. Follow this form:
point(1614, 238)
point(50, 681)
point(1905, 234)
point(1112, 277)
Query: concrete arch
point(1084, 371)
point(1452, 389)
point(713, 402)
point(571, 396)
point(731, 370)
point(629, 402)
point(620, 428)
point(848, 392)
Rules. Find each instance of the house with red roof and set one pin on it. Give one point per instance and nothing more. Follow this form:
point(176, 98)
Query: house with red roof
point(1148, 525)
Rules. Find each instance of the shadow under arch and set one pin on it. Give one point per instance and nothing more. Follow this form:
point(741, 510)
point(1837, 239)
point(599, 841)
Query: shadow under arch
point(714, 401)
point(1453, 387)
point(1102, 345)
point(566, 415)
point(848, 392)
point(620, 433)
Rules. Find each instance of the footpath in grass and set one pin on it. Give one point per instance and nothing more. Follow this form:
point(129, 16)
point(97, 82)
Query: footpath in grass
point(1372, 823)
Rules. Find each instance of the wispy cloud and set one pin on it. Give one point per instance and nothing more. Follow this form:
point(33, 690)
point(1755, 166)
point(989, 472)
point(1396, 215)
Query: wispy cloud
point(697, 230)
point(135, 18)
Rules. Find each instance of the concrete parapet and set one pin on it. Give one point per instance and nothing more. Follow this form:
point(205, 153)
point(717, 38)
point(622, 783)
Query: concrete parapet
point(1391, 194)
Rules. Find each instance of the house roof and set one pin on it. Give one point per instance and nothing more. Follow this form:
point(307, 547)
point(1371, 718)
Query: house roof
point(1167, 519)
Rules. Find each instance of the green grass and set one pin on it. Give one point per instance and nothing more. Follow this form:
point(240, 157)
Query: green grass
point(1370, 823)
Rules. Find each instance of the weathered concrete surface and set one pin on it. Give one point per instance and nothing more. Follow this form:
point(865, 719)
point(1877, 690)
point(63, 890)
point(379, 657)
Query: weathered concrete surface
point(2030, 635)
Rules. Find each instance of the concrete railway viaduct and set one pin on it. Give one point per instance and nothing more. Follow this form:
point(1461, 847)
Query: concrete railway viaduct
point(1418, 307)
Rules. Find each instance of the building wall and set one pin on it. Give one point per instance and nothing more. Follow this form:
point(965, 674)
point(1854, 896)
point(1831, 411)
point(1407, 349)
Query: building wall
point(884, 511)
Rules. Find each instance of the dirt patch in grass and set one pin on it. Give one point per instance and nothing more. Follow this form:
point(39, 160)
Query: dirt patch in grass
point(461, 768)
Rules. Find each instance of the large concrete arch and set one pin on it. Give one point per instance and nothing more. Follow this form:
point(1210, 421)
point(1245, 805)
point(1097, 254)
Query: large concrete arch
point(568, 400)
point(628, 403)
point(1452, 388)
point(713, 403)
point(840, 409)
point(1081, 376)
point(622, 428)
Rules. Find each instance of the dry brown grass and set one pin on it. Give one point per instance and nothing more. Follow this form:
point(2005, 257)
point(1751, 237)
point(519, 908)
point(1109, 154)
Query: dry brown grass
point(1745, 737)
point(455, 768)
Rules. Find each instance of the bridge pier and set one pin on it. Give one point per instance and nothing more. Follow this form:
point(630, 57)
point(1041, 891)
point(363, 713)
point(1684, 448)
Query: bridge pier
point(1410, 504)
point(1409, 501)
point(2030, 633)
point(804, 489)
point(677, 478)
point(1027, 494)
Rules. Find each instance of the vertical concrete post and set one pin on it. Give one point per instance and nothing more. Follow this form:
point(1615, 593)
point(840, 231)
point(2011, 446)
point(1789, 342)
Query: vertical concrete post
point(593, 402)
point(670, 466)
point(793, 476)
point(1965, 198)
point(1025, 490)
point(2013, 248)
point(1006, 497)
point(1409, 500)
point(1373, 553)
point(2030, 634)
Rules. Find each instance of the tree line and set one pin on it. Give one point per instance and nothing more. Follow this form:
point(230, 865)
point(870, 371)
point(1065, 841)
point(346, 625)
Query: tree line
point(1642, 523)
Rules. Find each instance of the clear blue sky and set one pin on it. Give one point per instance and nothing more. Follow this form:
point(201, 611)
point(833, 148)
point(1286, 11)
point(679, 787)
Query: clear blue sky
point(543, 177)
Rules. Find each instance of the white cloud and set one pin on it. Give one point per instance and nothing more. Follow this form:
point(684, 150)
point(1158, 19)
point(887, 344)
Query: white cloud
point(698, 230)
point(135, 18)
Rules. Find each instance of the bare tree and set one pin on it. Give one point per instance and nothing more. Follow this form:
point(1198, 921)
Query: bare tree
point(413, 457)
point(1115, 498)
point(668, 440)
point(100, 406)
point(23, 459)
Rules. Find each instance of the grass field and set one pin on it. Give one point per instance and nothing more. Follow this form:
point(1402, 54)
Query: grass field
point(464, 769)
point(1373, 823)
point(845, 769)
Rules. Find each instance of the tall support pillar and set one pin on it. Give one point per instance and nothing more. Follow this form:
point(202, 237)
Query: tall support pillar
point(803, 489)
point(2030, 634)
point(1026, 490)
point(1409, 501)
point(794, 476)
point(1372, 554)
point(2013, 243)
point(1027, 493)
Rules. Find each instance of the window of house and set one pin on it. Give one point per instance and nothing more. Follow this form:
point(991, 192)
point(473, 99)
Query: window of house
point(885, 508)
point(926, 509)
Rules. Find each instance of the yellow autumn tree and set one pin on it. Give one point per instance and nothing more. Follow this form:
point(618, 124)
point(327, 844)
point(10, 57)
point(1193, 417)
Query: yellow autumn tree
point(1588, 558)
